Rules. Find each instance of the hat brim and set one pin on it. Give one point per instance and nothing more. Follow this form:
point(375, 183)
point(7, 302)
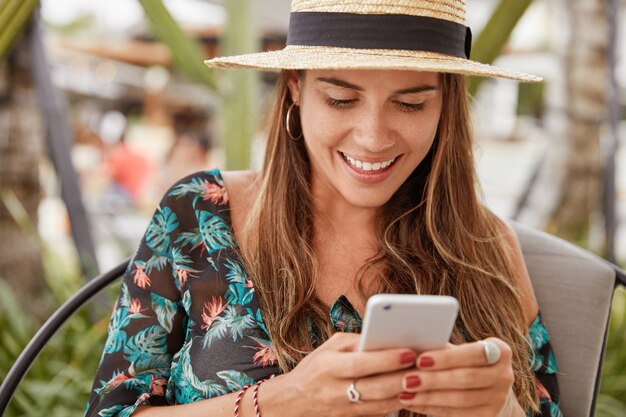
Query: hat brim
point(316, 57)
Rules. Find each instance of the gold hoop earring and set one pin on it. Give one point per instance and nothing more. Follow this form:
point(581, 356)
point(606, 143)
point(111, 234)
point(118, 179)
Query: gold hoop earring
point(288, 124)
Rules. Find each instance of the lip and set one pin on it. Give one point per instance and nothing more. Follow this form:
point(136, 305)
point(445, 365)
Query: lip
point(369, 177)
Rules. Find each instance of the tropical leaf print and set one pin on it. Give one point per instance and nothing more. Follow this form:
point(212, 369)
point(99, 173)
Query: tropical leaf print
point(258, 318)
point(136, 309)
point(156, 261)
point(230, 322)
point(344, 316)
point(187, 301)
point(114, 411)
point(116, 335)
point(124, 300)
point(211, 310)
point(165, 311)
point(213, 191)
point(265, 355)
point(216, 233)
point(158, 234)
point(551, 367)
point(140, 277)
point(183, 269)
point(240, 288)
point(190, 388)
point(235, 380)
point(147, 347)
point(218, 330)
point(538, 333)
point(237, 323)
point(193, 239)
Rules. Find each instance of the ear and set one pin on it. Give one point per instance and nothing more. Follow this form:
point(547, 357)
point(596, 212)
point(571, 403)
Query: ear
point(294, 84)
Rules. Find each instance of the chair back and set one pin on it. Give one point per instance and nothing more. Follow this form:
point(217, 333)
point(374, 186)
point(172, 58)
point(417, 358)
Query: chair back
point(574, 289)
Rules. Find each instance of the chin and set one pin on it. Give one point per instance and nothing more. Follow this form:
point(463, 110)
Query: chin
point(365, 200)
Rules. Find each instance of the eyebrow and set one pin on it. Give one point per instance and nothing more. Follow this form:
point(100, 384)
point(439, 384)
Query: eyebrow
point(345, 84)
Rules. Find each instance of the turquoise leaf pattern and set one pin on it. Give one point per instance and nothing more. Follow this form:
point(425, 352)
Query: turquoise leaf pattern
point(162, 224)
point(147, 349)
point(165, 310)
point(111, 411)
point(216, 234)
point(169, 340)
point(217, 330)
point(235, 380)
point(190, 387)
point(156, 262)
point(344, 317)
point(258, 319)
point(240, 290)
point(116, 337)
point(538, 334)
point(237, 323)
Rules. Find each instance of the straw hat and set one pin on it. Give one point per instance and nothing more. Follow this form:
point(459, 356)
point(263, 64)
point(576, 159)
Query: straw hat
point(422, 35)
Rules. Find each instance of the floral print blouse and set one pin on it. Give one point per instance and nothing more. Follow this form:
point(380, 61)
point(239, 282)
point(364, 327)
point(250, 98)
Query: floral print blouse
point(187, 325)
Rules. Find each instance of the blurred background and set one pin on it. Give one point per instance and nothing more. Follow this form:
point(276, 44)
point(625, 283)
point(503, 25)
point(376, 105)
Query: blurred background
point(103, 105)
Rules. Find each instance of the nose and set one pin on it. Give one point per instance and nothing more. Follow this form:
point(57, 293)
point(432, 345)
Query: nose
point(373, 133)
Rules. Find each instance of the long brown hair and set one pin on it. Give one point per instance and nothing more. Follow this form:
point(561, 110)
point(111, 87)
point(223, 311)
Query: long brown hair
point(435, 237)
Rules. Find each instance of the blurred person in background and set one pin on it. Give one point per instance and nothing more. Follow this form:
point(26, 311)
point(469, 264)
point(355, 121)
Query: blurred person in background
point(367, 186)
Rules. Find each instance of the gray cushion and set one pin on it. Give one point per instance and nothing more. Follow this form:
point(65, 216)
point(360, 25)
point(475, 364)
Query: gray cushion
point(574, 289)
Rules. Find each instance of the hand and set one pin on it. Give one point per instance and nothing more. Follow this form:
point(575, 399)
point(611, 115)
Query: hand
point(458, 381)
point(317, 385)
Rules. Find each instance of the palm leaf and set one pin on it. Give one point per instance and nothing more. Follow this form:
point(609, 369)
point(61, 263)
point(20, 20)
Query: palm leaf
point(165, 310)
point(158, 234)
point(235, 380)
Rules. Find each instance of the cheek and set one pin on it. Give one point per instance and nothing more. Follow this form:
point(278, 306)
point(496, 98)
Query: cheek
point(322, 127)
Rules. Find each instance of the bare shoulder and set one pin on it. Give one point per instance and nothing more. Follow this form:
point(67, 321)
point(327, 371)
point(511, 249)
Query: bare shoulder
point(521, 278)
point(238, 181)
point(242, 191)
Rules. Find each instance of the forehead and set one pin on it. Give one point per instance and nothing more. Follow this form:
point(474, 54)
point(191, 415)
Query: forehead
point(377, 79)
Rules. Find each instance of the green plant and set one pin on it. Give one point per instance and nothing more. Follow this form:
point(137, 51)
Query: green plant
point(612, 398)
point(59, 381)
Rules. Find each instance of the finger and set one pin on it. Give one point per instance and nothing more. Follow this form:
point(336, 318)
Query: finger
point(341, 341)
point(377, 408)
point(381, 386)
point(360, 364)
point(462, 356)
point(448, 398)
point(460, 378)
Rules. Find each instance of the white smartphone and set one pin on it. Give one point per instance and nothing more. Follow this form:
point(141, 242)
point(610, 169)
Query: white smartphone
point(418, 322)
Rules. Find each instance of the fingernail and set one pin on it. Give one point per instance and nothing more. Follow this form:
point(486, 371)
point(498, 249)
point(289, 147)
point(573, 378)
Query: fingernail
point(413, 381)
point(408, 357)
point(426, 362)
point(407, 395)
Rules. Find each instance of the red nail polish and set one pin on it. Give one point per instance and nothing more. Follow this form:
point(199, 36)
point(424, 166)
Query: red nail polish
point(407, 395)
point(426, 362)
point(407, 357)
point(413, 381)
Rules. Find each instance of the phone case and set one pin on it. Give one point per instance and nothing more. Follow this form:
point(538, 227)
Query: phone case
point(418, 322)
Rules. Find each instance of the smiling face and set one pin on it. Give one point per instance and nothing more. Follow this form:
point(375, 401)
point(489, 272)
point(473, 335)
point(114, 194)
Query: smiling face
point(365, 130)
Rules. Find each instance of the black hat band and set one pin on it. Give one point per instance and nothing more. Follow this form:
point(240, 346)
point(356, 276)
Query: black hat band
point(379, 31)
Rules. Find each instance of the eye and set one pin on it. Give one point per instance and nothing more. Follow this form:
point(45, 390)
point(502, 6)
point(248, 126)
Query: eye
point(409, 107)
point(340, 104)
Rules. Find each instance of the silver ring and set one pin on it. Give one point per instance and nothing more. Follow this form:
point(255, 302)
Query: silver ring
point(492, 352)
point(354, 396)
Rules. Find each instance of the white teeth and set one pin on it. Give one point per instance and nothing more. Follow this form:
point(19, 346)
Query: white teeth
point(367, 166)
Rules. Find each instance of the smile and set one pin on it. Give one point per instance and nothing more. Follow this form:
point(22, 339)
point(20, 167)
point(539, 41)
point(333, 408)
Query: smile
point(365, 165)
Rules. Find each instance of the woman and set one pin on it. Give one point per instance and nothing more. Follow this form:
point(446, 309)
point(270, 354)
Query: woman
point(367, 186)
